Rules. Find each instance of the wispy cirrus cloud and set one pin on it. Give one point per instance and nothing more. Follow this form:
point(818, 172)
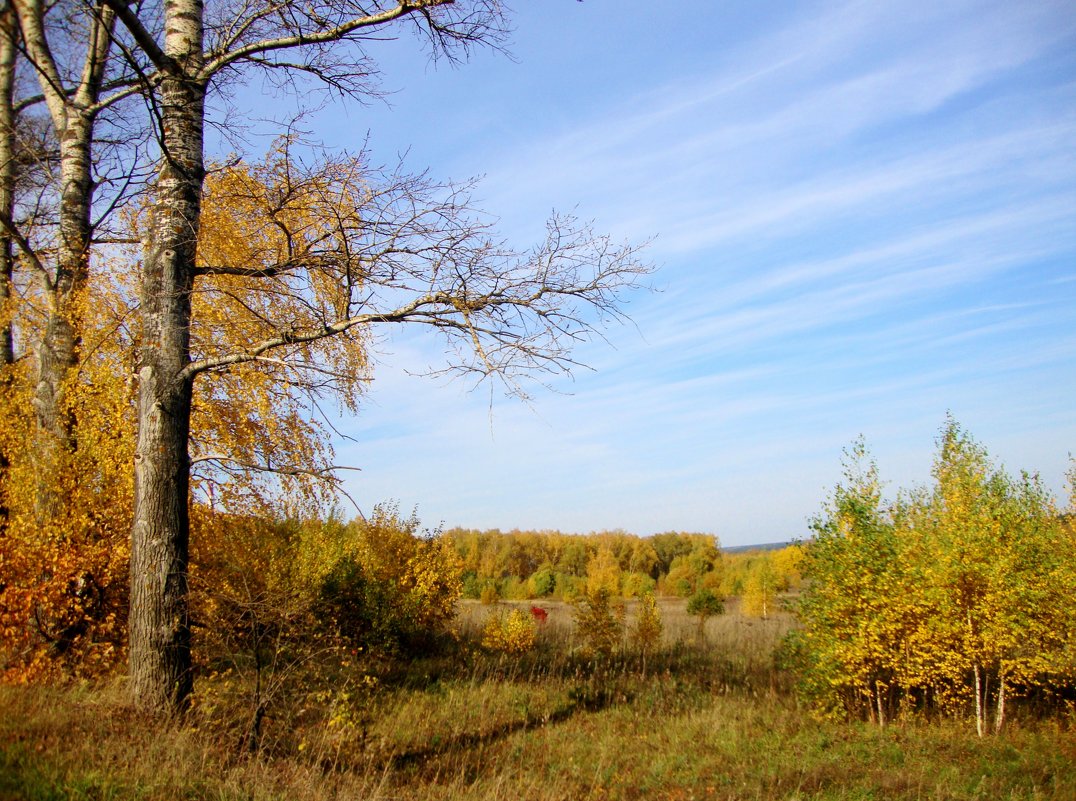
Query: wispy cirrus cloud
point(864, 217)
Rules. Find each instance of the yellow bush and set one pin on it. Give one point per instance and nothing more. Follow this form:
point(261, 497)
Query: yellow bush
point(514, 633)
point(389, 585)
point(646, 635)
point(64, 573)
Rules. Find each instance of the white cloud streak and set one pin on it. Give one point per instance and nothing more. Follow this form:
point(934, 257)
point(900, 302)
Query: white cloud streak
point(865, 218)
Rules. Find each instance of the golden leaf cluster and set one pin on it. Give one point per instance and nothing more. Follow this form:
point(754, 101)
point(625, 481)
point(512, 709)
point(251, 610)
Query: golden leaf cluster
point(511, 633)
point(258, 441)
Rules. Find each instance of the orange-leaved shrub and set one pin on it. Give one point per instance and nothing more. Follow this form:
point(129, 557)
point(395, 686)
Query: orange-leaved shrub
point(64, 565)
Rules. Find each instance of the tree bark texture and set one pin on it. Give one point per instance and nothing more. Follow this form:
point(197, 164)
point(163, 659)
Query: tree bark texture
point(58, 350)
point(999, 717)
point(7, 203)
point(160, 655)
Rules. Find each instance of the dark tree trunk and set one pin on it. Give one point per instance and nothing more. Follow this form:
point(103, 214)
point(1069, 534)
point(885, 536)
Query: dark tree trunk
point(160, 651)
point(160, 657)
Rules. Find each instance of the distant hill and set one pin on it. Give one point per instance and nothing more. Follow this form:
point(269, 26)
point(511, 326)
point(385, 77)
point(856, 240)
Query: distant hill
point(769, 546)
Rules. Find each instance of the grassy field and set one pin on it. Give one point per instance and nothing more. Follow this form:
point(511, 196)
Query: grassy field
point(711, 719)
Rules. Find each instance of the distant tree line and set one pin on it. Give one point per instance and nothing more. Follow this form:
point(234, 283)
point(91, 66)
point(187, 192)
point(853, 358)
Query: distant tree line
point(538, 564)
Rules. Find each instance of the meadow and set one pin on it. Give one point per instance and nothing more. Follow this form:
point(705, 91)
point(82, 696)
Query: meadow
point(710, 718)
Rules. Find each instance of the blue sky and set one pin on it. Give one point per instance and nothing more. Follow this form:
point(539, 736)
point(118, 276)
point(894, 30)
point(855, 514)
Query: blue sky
point(863, 216)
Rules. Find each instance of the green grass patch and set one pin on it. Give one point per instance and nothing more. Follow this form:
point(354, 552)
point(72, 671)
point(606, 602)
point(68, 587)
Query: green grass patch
point(710, 720)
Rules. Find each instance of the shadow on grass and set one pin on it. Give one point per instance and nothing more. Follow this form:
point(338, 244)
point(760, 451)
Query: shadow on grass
point(585, 699)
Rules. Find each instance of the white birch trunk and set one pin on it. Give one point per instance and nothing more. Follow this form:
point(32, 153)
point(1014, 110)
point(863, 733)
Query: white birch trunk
point(978, 700)
point(73, 112)
point(999, 716)
point(7, 262)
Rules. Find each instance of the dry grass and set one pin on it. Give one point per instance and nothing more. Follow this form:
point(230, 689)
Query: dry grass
point(731, 632)
point(709, 721)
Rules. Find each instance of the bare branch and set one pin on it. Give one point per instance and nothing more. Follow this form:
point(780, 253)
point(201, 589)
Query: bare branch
point(284, 470)
point(394, 248)
point(216, 62)
point(143, 38)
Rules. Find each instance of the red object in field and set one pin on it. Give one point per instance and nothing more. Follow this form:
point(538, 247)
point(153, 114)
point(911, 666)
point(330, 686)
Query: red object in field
point(539, 614)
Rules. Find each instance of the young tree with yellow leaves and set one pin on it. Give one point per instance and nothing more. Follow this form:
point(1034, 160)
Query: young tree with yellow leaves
point(760, 589)
point(1006, 576)
point(949, 601)
point(848, 607)
point(603, 573)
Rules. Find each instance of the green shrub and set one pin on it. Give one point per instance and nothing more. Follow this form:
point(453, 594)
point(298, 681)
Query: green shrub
point(543, 582)
point(567, 587)
point(704, 604)
point(637, 585)
point(515, 589)
point(471, 587)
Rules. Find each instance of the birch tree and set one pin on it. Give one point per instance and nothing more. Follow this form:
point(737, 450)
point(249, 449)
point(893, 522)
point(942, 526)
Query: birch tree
point(422, 258)
point(760, 589)
point(8, 44)
point(953, 600)
point(1005, 573)
point(849, 568)
point(68, 48)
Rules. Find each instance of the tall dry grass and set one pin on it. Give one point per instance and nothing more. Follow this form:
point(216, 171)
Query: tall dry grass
point(710, 719)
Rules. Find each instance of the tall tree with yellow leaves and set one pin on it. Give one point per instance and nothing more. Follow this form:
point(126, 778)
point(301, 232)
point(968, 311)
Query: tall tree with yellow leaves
point(848, 564)
point(406, 251)
point(1003, 569)
point(82, 85)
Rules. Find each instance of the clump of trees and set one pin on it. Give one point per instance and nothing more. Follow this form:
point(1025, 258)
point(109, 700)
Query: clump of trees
point(283, 609)
point(951, 600)
point(169, 326)
point(516, 565)
point(536, 564)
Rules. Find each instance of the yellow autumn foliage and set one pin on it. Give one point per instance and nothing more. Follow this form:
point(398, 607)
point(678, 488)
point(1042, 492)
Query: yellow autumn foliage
point(952, 600)
point(258, 447)
point(512, 633)
point(63, 576)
